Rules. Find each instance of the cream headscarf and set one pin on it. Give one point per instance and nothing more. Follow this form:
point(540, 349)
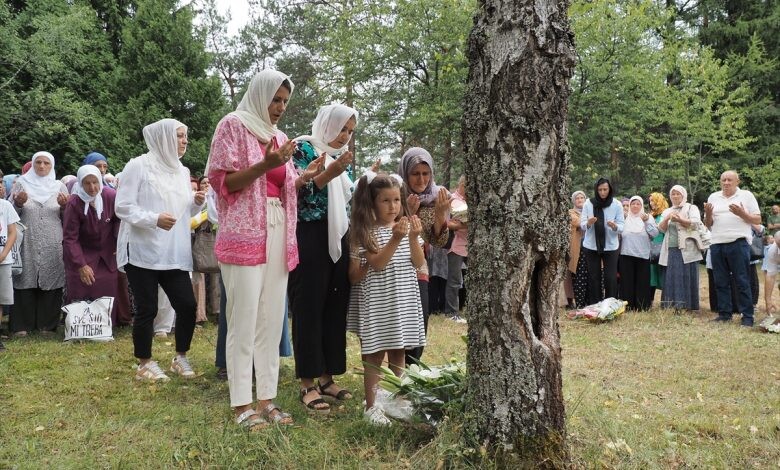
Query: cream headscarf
point(166, 173)
point(40, 188)
point(253, 108)
point(78, 189)
point(573, 200)
point(326, 127)
point(682, 191)
point(634, 222)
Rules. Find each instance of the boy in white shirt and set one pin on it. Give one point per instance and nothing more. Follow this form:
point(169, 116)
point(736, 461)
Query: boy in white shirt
point(8, 220)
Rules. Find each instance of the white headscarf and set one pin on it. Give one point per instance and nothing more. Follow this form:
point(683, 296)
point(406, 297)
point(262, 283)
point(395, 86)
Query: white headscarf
point(166, 173)
point(253, 108)
point(682, 191)
point(326, 127)
point(40, 188)
point(634, 222)
point(78, 189)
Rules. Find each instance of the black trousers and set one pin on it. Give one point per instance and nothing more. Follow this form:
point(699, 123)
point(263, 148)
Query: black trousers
point(178, 287)
point(437, 288)
point(414, 355)
point(318, 292)
point(594, 260)
point(36, 309)
point(635, 282)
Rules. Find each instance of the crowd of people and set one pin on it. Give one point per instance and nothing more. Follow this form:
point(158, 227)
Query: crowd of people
point(299, 237)
point(619, 250)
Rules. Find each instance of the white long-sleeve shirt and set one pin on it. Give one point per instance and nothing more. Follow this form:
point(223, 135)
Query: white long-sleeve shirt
point(140, 242)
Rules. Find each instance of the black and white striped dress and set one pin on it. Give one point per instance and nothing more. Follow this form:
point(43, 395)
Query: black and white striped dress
point(384, 308)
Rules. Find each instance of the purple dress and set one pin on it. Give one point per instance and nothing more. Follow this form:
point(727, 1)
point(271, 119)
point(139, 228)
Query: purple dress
point(87, 240)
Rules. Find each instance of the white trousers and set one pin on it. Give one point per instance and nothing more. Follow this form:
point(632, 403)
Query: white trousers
point(166, 315)
point(255, 302)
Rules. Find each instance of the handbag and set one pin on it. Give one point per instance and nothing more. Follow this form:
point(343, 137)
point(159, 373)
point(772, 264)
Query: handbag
point(16, 250)
point(757, 248)
point(203, 258)
point(89, 320)
point(701, 234)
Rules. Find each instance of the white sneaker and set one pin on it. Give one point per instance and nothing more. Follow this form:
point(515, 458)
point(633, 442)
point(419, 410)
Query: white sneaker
point(151, 372)
point(181, 366)
point(458, 319)
point(376, 416)
point(161, 334)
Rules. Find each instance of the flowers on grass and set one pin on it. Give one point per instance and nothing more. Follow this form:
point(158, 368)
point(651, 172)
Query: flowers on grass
point(606, 310)
point(770, 324)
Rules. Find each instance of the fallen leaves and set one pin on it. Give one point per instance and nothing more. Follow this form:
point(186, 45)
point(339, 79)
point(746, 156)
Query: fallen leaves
point(619, 446)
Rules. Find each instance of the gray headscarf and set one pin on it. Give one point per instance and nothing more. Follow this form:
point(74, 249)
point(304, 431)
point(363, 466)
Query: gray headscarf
point(412, 157)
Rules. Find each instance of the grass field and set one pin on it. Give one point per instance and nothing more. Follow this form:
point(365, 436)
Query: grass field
point(651, 390)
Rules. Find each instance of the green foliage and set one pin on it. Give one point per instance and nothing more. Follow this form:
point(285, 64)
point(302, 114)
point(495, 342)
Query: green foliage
point(650, 107)
point(746, 36)
point(75, 79)
point(617, 90)
point(164, 75)
point(401, 64)
point(705, 121)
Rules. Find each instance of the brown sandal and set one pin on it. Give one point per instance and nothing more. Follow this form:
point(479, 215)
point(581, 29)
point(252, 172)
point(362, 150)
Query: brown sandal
point(315, 405)
point(342, 394)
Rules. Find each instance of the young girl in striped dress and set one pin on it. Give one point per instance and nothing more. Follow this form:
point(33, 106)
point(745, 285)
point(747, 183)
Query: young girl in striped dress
point(385, 310)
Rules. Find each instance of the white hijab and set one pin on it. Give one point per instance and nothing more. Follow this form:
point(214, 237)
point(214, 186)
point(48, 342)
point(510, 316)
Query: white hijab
point(326, 127)
point(634, 222)
point(682, 191)
point(166, 173)
point(78, 189)
point(253, 108)
point(40, 188)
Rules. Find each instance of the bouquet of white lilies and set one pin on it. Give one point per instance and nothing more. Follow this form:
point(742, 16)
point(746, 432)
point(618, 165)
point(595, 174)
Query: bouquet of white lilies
point(430, 390)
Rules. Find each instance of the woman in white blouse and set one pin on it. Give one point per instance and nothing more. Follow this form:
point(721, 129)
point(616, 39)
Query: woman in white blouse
point(634, 263)
point(155, 202)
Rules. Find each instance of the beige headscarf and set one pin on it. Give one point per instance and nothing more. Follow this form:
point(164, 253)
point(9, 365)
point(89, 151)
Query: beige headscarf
point(682, 191)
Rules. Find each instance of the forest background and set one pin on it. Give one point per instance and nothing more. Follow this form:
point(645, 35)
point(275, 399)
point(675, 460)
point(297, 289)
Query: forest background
point(664, 92)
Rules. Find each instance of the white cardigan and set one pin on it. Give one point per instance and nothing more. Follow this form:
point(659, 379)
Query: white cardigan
point(140, 242)
point(686, 243)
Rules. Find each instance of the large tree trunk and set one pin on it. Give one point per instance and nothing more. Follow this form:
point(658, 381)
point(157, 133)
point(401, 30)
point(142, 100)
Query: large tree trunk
point(521, 57)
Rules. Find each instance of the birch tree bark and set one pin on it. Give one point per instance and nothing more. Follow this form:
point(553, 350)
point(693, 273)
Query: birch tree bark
point(521, 57)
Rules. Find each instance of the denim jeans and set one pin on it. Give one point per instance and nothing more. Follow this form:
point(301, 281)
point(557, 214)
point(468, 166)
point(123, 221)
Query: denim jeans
point(733, 258)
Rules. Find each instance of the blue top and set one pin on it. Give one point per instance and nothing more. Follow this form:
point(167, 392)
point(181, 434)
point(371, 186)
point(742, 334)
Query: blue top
point(613, 212)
